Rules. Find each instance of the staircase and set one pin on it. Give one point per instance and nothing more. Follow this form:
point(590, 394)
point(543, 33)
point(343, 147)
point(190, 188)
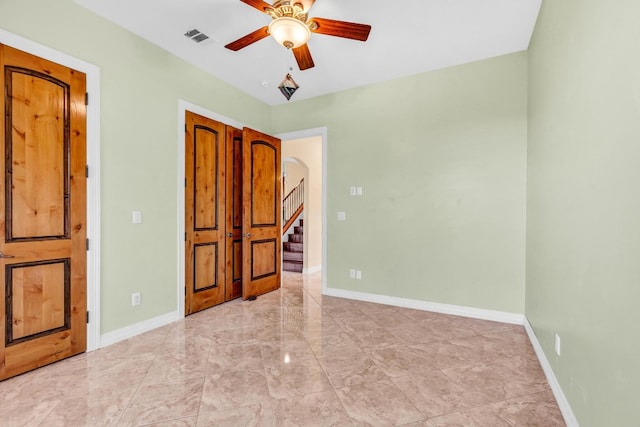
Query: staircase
point(292, 208)
point(292, 253)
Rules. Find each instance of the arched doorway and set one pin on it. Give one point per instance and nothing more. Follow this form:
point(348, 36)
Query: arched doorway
point(302, 159)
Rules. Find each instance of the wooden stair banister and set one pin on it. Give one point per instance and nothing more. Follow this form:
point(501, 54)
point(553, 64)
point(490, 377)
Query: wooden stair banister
point(292, 205)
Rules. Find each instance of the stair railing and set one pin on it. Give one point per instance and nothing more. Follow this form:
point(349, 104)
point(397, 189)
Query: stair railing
point(292, 205)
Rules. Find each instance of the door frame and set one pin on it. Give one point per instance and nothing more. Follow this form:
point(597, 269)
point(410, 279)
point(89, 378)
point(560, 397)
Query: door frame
point(183, 107)
point(93, 161)
point(322, 133)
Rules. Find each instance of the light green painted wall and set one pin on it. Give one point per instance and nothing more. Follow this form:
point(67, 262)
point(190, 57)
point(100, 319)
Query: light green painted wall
point(140, 88)
point(583, 231)
point(442, 160)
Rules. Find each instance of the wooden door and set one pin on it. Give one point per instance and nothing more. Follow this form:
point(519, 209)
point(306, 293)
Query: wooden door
point(262, 198)
point(204, 213)
point(42, 213)
point(234, 214)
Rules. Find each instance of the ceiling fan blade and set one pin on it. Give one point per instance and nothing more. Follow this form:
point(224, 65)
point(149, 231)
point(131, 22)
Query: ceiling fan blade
point(258, 4)
point(303, 57)
point(245, 41)
point(347, 30)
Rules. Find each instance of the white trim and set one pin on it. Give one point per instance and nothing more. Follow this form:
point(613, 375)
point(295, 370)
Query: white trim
point(140, 328)
point(183, 107)
point(456, 310)
point(93, 161)
point(307, 133)
point(311, 270)
point(563, 403)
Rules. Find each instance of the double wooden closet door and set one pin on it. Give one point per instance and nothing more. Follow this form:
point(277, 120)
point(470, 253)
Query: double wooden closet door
point(232, 213)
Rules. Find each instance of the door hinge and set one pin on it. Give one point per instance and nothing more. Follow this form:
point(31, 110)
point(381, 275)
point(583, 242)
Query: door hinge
point(87, 244)
point(185, 182)
point(86, 171)
point(86, 98)
point(87, 316)
point(185, 236)
point(185, 128)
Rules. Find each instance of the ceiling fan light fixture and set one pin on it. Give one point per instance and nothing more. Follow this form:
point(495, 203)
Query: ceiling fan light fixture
point(289, 32)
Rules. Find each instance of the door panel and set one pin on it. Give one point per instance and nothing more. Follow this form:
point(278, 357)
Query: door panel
point(37, 295)
point(234, 213)
point(42, 212)
point(261, 213)
point(204, 213)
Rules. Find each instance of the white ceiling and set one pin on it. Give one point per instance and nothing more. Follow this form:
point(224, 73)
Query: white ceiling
point(407, 37)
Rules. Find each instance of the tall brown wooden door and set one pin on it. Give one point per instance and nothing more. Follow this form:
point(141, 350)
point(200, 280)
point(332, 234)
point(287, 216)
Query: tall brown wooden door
point(205, 220)
point(42, 213)
point(262, 201)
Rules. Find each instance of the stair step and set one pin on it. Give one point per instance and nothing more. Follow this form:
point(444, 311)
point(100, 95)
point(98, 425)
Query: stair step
point(292, 256)
point(297, 238)
point(298, 230)
point(293, 247)
point(292, 266)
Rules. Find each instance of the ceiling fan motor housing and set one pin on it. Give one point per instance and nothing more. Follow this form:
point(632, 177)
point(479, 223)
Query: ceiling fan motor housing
point(288, 9)
point(289, 26)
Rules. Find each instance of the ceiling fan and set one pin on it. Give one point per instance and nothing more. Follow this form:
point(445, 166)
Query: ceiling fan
point(292, 28)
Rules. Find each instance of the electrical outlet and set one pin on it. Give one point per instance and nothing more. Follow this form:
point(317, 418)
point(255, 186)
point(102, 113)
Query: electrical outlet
point(135, 298)
point(352, 274)
point(557, 346)
point(358, 274)
point(352, 191)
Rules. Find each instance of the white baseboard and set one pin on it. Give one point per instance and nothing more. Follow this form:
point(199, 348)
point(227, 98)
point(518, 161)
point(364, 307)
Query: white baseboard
point(563, 403)
point(312, 270)
point(138, 328)
point(456, 310)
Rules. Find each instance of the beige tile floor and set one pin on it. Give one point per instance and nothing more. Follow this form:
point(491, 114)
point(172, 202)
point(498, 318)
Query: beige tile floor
point(296, 358)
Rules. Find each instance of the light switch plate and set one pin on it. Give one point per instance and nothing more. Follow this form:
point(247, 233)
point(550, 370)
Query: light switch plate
point(137, 217)
point(342, 216)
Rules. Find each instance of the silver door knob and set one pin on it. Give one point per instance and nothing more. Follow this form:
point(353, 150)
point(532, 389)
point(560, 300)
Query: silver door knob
point(248, 235)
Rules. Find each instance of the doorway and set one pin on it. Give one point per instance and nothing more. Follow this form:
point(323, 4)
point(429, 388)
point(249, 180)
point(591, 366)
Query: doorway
point(231, 217)
point(303, 157)
point(91, 296)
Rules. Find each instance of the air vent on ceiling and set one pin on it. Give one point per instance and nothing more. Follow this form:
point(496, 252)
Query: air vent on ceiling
point(196, 35)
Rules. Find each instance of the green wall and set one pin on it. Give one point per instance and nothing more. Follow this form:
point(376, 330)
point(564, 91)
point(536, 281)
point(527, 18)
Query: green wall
point(140, 88)
point(583, 209)
point(441, 158)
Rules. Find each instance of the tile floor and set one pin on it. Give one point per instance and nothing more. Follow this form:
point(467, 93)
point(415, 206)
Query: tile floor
point(296, 358)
